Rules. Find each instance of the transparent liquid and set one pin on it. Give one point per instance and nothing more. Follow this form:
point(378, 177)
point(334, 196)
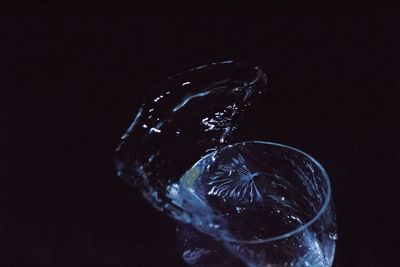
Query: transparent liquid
point(235, 197)
point(184, 118)
point(180, 152)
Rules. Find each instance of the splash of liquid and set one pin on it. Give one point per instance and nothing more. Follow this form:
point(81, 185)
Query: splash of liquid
point(181, 152)
point(195, 112)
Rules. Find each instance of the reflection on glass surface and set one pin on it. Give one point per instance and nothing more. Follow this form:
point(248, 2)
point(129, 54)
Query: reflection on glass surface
point(250, 203)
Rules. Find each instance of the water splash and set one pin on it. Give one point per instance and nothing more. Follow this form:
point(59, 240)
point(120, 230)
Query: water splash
point(193, 113)
point(236, 191)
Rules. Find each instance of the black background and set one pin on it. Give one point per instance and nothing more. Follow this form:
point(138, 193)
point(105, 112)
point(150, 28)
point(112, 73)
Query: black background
point(71, 80)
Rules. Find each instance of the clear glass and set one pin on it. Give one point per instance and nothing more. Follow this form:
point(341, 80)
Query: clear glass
point(236, 203)
point(268, 204)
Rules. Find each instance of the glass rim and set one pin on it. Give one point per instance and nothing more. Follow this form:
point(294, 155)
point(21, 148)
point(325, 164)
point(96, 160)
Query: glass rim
point(299, 229)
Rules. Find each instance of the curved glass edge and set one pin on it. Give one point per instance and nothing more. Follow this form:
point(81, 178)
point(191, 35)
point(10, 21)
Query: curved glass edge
point(304, 226)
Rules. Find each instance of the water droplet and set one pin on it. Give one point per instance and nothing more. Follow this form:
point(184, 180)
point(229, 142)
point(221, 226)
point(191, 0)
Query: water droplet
point(333, 236)
point(214, 225)
point(239, 209)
